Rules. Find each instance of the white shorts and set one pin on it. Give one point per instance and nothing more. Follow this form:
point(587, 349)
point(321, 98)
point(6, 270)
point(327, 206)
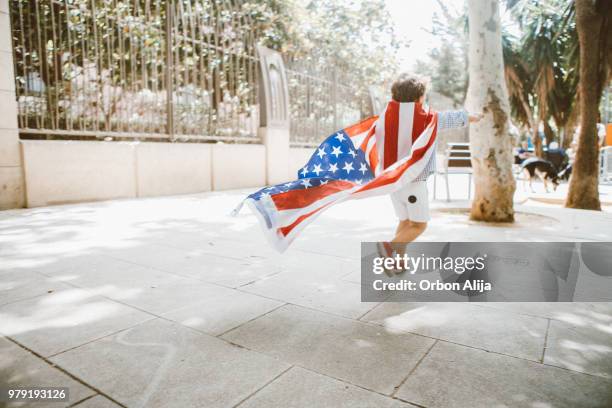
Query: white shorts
point(412, 202)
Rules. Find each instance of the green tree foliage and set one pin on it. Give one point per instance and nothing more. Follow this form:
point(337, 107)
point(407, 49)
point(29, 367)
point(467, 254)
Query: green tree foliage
point(447, 68)
point(354, 36)
point(541, 62)
point(542, 65)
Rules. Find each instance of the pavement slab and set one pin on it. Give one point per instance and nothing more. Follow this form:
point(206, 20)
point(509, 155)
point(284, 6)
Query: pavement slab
point(300, 388)
point(563, 311)
point(21, 368)
point(316, 289)
point(225, 310)
point(145, 288)
point(97, 402)
point(225, 271)
point(361, 354)
point(163, 364)
point(485, 328)
point(65, 319)
point(582, 344)
point(453, 376)
point(20, 285)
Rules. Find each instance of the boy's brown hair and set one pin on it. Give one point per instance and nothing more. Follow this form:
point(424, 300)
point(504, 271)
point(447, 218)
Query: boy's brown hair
point(408, 88)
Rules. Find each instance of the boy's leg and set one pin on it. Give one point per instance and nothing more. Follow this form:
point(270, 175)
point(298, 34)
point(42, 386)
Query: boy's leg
point(407, 232)
point(402, 224)
point(412, 208)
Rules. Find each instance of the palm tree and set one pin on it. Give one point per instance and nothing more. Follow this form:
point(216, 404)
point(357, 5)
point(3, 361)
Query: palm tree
point(541, 67)
point(594, 25)
point(491, 144)
point(520, 84)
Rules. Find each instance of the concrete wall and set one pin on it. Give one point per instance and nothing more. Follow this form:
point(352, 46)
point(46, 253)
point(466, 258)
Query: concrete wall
point(276, 141)
point(173, 168)
point(12, 194)
point(60, 172)
point(238, 166)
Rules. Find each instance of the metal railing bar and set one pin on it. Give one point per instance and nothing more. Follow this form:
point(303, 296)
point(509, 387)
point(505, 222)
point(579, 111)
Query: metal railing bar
point(134, 135)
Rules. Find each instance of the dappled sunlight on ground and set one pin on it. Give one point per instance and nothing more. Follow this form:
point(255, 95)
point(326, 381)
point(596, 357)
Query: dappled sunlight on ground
point(578, 337)
point(413, 319)
point(65, 309)
point(91, 285)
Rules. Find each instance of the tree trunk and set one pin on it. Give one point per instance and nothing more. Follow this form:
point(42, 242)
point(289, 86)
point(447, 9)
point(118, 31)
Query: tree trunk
point(491, 144)
point(537, 141)
point(584, 188)
point(549, 133)
point(570, 125)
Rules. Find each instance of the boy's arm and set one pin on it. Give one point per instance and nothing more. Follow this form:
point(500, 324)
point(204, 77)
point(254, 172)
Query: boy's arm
point(455, 119)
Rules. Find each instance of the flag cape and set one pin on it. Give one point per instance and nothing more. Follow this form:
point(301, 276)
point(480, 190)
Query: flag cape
point(376, 156)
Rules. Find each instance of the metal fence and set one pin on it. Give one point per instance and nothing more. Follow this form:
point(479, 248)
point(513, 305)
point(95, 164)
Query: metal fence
point(321, 102)
point(138, 68)
point(153, 69)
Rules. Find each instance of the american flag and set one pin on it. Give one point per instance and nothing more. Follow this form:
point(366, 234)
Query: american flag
point(377, 156)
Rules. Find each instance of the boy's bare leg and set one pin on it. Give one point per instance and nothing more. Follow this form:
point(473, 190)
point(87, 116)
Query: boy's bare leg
point(407, 231)
point(401, 225)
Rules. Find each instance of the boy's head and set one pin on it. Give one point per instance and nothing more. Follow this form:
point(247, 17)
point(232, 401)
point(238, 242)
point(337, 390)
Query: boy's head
point(408, 88)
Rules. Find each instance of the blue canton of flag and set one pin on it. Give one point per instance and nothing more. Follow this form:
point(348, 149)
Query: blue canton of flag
point(335, 159)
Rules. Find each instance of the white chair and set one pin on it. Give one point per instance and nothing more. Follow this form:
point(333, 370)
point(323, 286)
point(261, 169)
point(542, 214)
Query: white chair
point(457, 160)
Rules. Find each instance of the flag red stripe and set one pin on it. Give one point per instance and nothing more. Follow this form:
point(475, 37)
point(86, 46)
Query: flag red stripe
point(420, 121)
point(294, 199)
point(287, 229)
point(391, 130)
point(364, 145)
point(394, 175)
point(373, 159)
point(360, 127)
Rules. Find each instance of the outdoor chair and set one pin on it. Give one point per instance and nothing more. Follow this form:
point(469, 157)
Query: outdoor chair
point(457, 160)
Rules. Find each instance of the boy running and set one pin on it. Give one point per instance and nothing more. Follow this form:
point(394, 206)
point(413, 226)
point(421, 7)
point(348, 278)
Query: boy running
point(411, 203)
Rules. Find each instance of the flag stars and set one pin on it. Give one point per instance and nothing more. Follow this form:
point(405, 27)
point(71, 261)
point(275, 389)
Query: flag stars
point(304, 171)
point(340, 136)
point(317, 169)
point(352, 153)
point(348, 167)
point(337, 151)
point(321, 153)
point(363, 168)
point(306, 183)
point(333, 168)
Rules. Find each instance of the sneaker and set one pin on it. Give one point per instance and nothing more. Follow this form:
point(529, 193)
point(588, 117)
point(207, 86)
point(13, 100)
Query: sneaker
point(385, 250)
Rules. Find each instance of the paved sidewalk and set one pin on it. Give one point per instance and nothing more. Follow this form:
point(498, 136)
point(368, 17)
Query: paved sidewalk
point(169, 302)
